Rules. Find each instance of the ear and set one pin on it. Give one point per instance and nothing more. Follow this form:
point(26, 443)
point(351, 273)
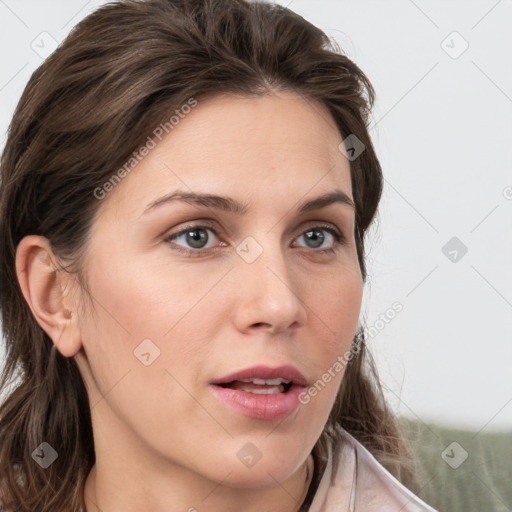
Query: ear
point(46, 289)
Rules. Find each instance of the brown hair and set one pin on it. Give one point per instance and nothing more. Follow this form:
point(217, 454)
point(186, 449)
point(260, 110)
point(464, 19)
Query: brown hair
point(120, 73)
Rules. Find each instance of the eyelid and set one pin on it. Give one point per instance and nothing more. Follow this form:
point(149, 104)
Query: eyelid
point(197, 224)
point(338, 234)
point(321, 224)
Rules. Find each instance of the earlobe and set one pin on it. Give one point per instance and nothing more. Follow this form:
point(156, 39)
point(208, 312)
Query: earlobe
point(45, 289)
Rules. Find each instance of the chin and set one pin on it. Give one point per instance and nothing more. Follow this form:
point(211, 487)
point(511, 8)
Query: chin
point(260, 463)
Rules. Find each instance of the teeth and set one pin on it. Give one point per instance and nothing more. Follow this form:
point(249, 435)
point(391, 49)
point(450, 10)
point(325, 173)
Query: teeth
point(266, 382)
point(264, 391)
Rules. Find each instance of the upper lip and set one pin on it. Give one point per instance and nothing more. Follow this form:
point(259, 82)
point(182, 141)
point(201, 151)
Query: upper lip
point(287, 372)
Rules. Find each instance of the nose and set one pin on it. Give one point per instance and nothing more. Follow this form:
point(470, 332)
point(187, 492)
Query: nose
point(268, 294)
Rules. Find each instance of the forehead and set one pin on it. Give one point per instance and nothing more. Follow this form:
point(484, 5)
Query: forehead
point(280, 145)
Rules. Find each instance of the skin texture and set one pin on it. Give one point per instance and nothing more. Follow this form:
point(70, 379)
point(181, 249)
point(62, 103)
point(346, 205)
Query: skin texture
point(163, 441)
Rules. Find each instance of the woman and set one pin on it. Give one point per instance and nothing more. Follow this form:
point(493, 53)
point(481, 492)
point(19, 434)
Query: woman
point(186, 187)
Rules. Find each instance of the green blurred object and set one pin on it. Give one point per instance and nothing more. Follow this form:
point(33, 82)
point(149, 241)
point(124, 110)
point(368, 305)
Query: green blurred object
point(462, 470)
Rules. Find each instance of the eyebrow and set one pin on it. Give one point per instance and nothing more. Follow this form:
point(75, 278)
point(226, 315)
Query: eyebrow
point(231, 205)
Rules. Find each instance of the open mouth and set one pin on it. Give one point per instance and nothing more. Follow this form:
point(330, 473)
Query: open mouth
point(259, 386)
point(262, 392)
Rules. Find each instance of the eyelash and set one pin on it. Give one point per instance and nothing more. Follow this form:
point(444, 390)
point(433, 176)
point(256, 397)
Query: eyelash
point(339, 239)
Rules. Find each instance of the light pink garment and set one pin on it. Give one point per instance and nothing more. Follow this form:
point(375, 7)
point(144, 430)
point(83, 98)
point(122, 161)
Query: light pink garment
point(362, 484)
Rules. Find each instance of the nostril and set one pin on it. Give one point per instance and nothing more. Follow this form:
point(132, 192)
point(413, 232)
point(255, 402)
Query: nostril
point(260, 324)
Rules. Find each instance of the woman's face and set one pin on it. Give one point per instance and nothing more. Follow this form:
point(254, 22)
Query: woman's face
point(189, 293)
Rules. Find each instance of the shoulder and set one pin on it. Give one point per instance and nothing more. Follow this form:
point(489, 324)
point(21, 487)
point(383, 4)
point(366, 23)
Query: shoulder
point(355, 480)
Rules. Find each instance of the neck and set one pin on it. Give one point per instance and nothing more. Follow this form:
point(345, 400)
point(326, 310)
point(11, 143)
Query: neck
point(109, 489)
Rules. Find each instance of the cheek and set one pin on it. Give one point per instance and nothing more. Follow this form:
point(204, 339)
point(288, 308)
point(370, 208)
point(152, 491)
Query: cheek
point(144, 298)
point(137, 301)
point(337, 311)
point(338, 308)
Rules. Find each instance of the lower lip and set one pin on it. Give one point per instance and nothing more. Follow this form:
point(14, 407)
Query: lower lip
point(261, 407)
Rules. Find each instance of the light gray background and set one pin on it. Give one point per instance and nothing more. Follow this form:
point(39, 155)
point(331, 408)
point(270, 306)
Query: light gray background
point(442, 128)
